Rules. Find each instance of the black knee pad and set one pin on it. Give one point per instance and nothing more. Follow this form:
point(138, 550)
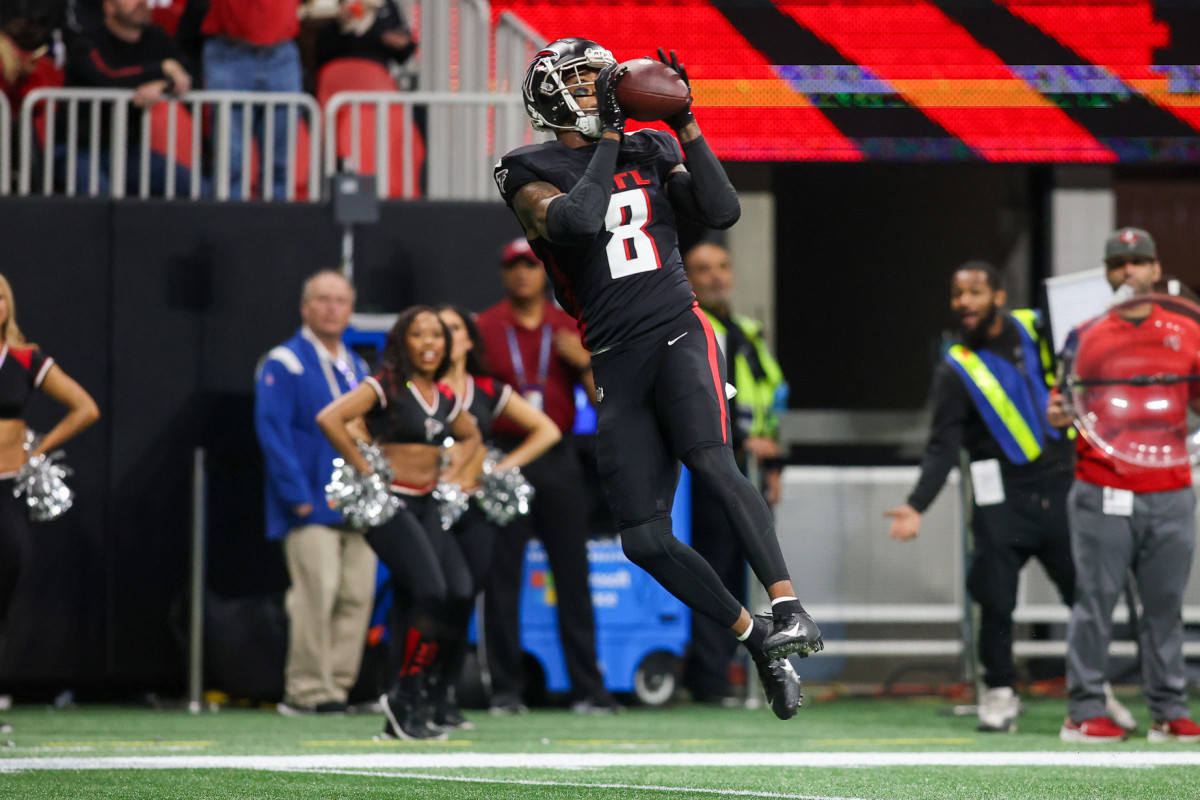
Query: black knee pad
point(648, 542)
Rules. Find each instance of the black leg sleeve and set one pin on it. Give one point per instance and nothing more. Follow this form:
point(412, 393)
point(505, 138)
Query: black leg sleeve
point(749, 516)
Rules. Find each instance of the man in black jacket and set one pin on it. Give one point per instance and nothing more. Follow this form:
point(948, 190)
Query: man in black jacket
point(990, 393)
point(121, 49)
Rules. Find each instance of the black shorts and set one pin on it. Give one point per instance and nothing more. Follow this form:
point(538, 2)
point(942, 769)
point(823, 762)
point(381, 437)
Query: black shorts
point(661, 397)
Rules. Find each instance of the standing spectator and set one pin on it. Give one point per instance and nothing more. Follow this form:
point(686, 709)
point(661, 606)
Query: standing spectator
point(332, 568)
point(534, 347)
point(122, 49)
point(1126, 516)
point(24, 369)
point(756, 376)
point(251, 47)
point(1020, 468)
point(370, 29)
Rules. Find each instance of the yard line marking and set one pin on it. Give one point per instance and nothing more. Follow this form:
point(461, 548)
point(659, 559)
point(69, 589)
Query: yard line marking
point(381, 743)
point(575, 761)
point(945, 740)
point(146, 743)
point(577, 785)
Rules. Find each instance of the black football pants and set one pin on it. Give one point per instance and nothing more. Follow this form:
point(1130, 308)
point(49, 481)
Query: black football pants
point(1032, 521)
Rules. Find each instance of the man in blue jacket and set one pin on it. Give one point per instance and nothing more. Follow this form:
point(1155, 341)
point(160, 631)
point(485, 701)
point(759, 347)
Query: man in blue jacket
point(331, 566)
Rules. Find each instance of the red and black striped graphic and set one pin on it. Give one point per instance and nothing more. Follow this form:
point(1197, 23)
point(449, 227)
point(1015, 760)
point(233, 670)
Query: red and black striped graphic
point(905, 80)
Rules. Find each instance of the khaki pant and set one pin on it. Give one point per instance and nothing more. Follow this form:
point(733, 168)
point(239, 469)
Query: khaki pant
point(329, 608)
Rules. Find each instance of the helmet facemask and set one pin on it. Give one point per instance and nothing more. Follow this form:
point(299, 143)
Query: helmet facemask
point(553, 75)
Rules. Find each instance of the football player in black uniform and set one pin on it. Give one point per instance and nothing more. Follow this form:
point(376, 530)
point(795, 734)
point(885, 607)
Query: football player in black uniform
point(599, 208)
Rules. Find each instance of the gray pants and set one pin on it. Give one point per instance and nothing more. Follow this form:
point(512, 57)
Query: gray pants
point(1156, 543)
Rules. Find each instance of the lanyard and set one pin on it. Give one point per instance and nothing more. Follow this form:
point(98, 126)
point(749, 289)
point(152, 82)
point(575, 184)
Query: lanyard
point(347, 372)
point(328, 365)
point(519, 364)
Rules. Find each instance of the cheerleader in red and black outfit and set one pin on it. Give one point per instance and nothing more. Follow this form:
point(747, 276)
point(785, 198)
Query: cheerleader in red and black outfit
point(410, 413)
point(23, 370)
point(485, 399)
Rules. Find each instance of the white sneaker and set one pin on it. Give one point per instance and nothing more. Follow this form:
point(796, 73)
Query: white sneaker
point(1116, 710)
point(998, 709)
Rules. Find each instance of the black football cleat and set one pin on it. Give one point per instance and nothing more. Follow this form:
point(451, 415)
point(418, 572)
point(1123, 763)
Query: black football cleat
point(448, 717)
point(793, 633)
point(781, 684)
point(404, 720)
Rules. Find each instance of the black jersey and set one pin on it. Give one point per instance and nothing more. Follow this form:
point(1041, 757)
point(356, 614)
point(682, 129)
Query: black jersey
point(22, 370)
point(404, 417)
point(485, 400)
point(630, 279)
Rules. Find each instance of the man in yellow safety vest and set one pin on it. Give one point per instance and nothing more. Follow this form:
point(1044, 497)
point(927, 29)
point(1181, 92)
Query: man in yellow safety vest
point(989, 395)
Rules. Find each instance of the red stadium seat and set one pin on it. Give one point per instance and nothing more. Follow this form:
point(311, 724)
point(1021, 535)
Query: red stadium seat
point(361, 75)
point(160, 129)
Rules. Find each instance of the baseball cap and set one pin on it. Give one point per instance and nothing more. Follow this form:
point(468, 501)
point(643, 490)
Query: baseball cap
point(1129, 242)
point(517, 250)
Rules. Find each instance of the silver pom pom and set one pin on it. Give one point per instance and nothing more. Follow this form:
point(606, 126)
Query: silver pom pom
point(364, 500)
point(41, 481)
point(452, 503)
point(503, 494)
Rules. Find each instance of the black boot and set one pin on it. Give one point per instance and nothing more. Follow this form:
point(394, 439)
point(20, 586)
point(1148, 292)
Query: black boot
point(406, 711)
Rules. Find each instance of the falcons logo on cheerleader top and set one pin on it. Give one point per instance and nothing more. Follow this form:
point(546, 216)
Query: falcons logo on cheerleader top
point(432, 429)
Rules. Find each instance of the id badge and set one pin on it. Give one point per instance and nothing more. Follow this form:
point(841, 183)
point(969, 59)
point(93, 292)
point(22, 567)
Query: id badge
point(535, 397)
point(1118, 502)
point(986, 483)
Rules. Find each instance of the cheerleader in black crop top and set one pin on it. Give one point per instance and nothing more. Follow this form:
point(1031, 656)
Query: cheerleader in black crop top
point(410, 414)
point(484, 399)
point(24, 370)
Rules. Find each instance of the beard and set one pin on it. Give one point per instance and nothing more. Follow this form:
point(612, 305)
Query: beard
point(978, 336)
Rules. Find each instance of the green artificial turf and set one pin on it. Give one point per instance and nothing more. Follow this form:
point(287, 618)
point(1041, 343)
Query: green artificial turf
point(843, 726)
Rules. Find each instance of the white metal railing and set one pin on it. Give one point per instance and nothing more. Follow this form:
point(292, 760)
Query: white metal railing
point(108, 114)
point(515, 46)
point(476, 129)
point(454, 56)
point(5, 145)
point(831, 525)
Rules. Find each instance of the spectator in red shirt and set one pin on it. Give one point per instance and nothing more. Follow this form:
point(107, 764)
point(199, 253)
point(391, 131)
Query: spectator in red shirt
point(251, 47)
point(535, 347)
point(1127, 515)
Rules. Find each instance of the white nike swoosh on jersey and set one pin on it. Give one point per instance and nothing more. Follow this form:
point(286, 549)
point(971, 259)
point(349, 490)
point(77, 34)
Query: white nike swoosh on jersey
point(677, 338)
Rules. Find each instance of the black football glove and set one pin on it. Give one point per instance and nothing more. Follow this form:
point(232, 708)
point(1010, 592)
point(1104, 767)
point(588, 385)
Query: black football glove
point(612, 118)
point(680, 119)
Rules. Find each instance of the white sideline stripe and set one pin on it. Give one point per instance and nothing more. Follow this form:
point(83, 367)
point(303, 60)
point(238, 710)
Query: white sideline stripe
point(598, 760)
point(577, 785)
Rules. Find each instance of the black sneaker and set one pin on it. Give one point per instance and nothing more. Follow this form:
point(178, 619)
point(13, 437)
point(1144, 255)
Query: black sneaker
point(448, 717)
point(793, 633)
point(506, 705)
point(781, 684)
point(402, 721)
point(590, 705)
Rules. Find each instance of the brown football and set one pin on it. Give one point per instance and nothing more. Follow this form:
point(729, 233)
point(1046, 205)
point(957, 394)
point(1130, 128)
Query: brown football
point(650, 90)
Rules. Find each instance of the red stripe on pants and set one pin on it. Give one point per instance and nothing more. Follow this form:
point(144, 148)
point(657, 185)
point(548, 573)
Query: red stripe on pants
point(715, 367)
